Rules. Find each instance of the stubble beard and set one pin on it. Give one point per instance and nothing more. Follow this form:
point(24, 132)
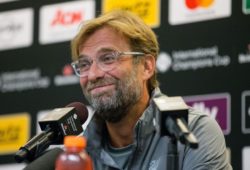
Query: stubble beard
point(113, 106)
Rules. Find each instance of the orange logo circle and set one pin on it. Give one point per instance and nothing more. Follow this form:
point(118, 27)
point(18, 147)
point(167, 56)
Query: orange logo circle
point(192, 4)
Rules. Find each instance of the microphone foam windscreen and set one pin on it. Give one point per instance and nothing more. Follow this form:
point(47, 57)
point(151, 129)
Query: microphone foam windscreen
point(81, 111)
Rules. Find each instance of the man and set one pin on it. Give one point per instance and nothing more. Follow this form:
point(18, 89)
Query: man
point(115, 57)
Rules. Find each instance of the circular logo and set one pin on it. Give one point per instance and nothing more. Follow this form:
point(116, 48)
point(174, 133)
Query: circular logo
point(192, 4)
point(163, 62)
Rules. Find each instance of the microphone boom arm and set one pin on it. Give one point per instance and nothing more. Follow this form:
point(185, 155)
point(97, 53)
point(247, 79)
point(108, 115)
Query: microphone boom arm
point(35, 147)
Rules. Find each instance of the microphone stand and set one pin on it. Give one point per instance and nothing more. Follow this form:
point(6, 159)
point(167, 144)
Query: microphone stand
point(173, 123)
point(172, 156)
point(177, 129)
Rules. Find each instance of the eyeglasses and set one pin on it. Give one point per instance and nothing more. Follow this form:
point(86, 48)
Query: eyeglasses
point(106, 62)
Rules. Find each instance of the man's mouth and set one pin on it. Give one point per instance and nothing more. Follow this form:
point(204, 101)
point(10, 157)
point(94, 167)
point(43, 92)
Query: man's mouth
point(100, 88)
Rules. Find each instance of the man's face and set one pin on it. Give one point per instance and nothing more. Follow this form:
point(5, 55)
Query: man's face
point(110, 93)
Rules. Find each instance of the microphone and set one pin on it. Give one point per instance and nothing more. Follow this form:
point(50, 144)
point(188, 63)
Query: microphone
point(174, 118)
point(55, 125)
point(46, 161)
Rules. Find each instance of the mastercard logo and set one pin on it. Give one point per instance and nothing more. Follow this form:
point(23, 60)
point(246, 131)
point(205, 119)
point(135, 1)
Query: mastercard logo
point(192, 4)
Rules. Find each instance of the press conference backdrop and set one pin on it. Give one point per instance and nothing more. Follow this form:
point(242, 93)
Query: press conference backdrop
point(204, 57)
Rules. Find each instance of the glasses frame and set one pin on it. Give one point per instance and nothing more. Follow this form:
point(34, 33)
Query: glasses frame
point(117, 56)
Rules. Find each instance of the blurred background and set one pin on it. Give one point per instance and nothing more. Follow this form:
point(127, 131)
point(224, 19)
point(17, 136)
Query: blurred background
point(204, 57)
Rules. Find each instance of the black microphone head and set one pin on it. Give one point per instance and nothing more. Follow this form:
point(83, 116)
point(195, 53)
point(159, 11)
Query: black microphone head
point(58, 123)
point(81, 111)
point(46, 161)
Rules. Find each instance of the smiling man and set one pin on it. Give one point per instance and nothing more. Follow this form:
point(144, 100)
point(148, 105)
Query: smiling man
point(114, 56)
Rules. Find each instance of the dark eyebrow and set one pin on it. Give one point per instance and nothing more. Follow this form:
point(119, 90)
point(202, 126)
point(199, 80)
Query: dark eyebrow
point(82, 56)
point(106, 50)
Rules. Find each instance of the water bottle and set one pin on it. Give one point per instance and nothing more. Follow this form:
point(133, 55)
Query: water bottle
point(74, 157)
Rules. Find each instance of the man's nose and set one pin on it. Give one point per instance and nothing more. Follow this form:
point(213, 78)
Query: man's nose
point(95, 72)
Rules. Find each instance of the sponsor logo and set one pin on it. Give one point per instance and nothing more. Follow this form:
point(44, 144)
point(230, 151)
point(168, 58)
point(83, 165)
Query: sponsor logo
point(14, 132)
point(148, 10)
point(67, 78)
point(15, 32)
point(60, 22)
point(193, 4)
point(244, 57)
point(188, 11)
point(192, 59)
point(246, 6)
point(23, 80)
point(215, 105)
point(245, 158)
point(245, 112)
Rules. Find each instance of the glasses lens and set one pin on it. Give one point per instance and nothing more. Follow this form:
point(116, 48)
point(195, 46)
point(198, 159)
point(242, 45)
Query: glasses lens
point(81, 67)
point(107, 61)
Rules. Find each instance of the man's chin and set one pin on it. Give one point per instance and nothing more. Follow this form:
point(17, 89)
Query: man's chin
point(102, 95)
point(101, 100)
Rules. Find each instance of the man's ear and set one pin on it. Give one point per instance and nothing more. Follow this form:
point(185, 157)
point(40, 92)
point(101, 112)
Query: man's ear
point(149, 66)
